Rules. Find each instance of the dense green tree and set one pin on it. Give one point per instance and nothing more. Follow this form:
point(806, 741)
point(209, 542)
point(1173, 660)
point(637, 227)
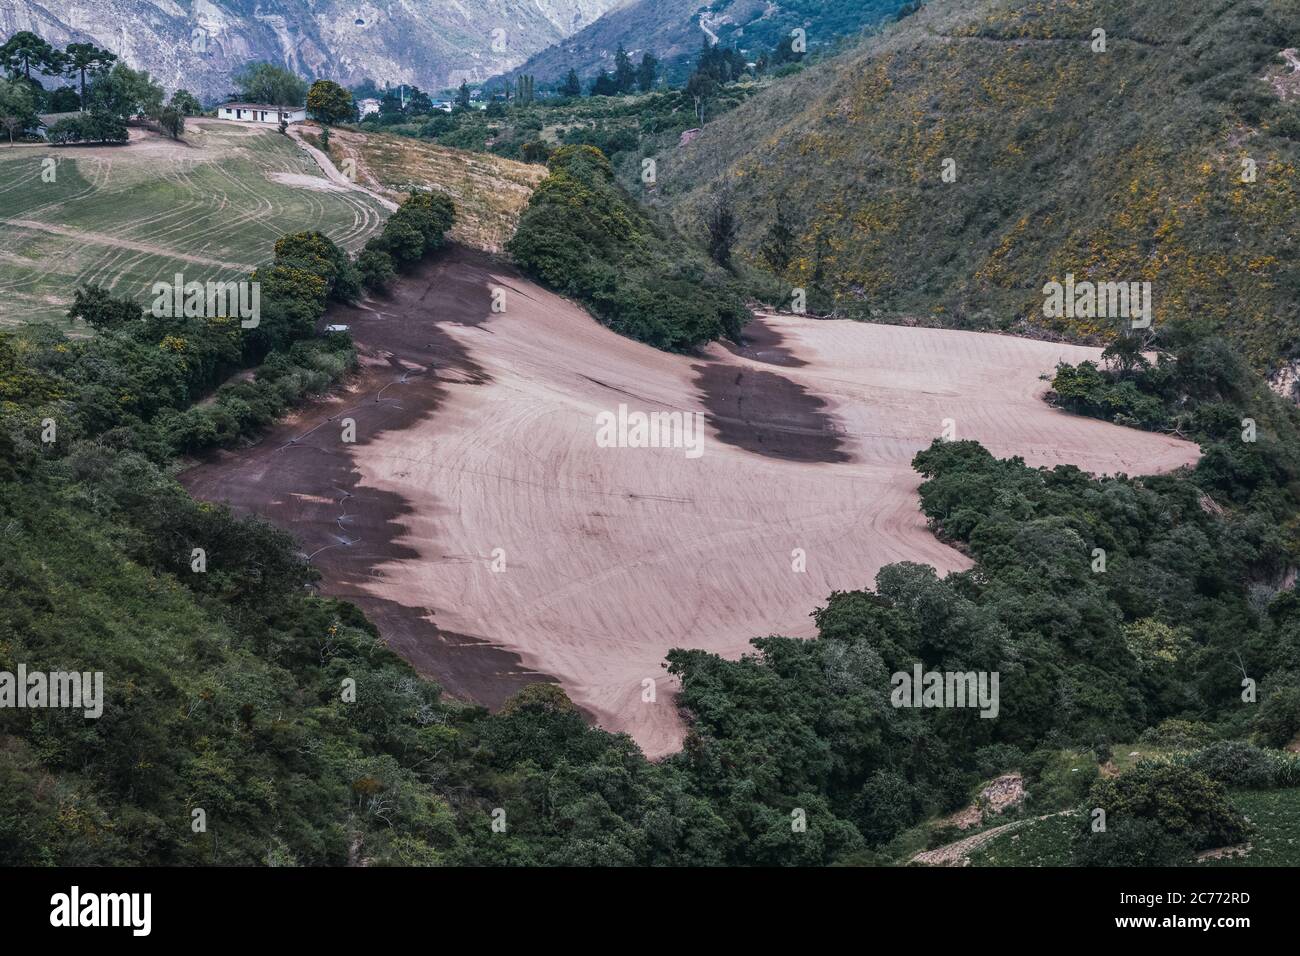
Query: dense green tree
point(604, 85)
point(25, 51)
point(125, 93)
point(624, 72)
point(17, 108)
point(330, 103)
point(100, 309)
point(186, 103)
point(86, 58)
point(647, 73)
point(270, 84)
point(572, 86)
point(172, 122)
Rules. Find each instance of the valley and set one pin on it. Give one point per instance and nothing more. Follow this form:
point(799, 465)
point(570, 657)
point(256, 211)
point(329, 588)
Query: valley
point(806, 433)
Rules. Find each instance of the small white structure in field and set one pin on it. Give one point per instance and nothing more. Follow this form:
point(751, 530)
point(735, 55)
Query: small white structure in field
point(368, 106)
point(262, 113)
point(336, 328)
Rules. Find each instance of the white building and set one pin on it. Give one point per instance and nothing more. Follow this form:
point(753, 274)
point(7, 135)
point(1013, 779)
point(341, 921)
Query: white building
point(262, 113)
point(368, 106)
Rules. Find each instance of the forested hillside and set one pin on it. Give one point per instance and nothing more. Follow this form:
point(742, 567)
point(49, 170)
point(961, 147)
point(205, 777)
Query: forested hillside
point(585, 236)
point(250, 721)
point(1170, 157)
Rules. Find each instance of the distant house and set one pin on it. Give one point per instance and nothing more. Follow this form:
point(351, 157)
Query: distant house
point(261, 113)
point(368, 106)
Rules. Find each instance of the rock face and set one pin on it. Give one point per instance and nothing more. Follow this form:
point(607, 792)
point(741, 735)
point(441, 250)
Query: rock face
point(198, 44)
point(675, 29)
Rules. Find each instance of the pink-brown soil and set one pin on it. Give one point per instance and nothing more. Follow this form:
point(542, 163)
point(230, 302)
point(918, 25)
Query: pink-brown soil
point(476, 439)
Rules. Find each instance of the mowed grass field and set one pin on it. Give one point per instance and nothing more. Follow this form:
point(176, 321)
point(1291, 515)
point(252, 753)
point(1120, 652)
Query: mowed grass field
point(210, 207)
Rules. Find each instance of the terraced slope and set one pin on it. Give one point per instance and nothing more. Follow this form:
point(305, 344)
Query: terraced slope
point(127, 216)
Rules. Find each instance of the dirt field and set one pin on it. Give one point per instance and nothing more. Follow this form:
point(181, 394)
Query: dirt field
point(476, 448)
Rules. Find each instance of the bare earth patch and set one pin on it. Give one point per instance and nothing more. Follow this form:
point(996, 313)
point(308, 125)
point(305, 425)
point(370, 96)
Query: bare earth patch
point(494, 543)
point(1005, 793)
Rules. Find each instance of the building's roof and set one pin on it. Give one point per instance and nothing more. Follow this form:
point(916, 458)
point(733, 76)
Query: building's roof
point(259, 106)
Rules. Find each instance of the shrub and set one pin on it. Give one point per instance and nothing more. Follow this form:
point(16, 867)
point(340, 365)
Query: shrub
point(1135, 842)
point(1235, 763)
point(1183, 802)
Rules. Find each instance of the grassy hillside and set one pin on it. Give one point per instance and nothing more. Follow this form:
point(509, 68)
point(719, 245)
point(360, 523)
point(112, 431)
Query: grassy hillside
point(1124, 165)
point(490, 192)
point(211, 207)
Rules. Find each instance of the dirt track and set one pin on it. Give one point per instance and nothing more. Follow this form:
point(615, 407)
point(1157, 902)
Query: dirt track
point(483, 438)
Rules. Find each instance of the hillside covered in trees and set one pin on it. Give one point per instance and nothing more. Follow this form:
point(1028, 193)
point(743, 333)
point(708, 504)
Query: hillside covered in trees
point(236, 690)
point(1169, 157)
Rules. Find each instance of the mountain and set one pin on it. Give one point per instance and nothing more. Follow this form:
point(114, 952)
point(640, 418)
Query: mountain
point(199, 43)
point(1169, 158)
point(675, 29)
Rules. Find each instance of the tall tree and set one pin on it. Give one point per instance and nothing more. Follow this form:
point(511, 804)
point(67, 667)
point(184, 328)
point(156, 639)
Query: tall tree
point(723, 226)
point(604, 85)
point(124, 92)
point(83, 58)
point(572, 85)
point(25, 50)
point(420, 103)
point(330, 103)
point(624, 72)
point(17, 107)
point(647, 72)
point(463, 95)
point(778, 245)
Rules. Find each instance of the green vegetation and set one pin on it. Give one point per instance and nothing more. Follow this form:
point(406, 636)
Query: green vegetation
point(226, 686)
point(270, 84)
point(583, 235)
point(330, 103)
point(417, 228)
point(625, 128)
point(1126, 165)
point(1274, 816)
point(1119, 608)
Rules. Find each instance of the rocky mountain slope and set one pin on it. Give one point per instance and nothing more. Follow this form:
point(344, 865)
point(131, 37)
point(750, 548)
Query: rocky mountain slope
point(199, 43)
point(674, 30)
